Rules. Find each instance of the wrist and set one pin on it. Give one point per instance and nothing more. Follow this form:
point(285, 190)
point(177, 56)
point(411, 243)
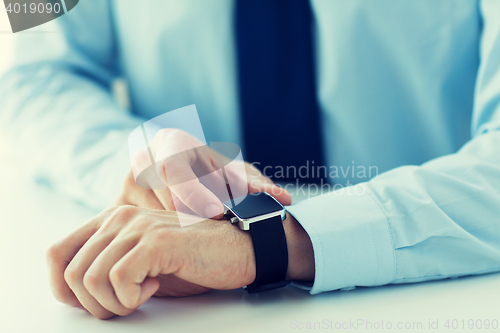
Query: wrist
point(243, 241)
point(300, 251)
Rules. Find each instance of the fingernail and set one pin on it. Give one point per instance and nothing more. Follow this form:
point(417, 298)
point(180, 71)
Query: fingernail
point(212, 210)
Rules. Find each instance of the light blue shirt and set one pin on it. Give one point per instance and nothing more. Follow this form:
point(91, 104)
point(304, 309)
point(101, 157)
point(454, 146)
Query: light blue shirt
point(411, 88)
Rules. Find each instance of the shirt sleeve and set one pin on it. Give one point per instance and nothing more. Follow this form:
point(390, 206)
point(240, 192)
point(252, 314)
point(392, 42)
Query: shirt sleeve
point(418, 223)
point(58, 108)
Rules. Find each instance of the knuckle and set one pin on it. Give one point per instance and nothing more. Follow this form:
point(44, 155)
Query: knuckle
point(110, 210)
point(90, 282)
point(100, 218)
point(72, 276)
point(135, 225)
point(191, 196)
point(117, 276)
point(53, 252)
point(120, 215)
point(125, 212)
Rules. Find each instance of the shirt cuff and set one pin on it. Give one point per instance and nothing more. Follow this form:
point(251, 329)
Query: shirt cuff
point(351, 238)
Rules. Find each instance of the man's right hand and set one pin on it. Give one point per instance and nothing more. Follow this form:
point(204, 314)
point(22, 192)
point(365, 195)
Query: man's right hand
point(191, 196)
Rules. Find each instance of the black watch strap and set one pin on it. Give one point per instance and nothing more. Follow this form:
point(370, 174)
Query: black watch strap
point(271, 255)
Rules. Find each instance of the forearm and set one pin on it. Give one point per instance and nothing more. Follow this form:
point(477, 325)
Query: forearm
point(76, 136)
point(411, 224)
point(57, 106)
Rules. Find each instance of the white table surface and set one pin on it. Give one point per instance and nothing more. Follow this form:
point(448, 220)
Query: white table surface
point(32, 217)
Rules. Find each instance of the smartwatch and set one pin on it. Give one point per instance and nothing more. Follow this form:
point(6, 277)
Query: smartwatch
point(263, 216)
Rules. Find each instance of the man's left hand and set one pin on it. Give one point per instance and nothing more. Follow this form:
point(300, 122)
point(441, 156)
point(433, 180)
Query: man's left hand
point(116, 261)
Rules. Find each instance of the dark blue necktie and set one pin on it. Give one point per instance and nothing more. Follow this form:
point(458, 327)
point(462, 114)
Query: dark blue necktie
point(277, 86)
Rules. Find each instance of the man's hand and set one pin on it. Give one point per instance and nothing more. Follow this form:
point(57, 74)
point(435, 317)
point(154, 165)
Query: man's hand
point(113, 263)
point(191, 196)
point(125, 255)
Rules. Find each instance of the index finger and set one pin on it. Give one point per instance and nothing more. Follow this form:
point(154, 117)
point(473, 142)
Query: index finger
point(182, 180)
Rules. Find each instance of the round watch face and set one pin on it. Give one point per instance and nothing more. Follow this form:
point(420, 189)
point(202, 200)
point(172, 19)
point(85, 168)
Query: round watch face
point(255, 204)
